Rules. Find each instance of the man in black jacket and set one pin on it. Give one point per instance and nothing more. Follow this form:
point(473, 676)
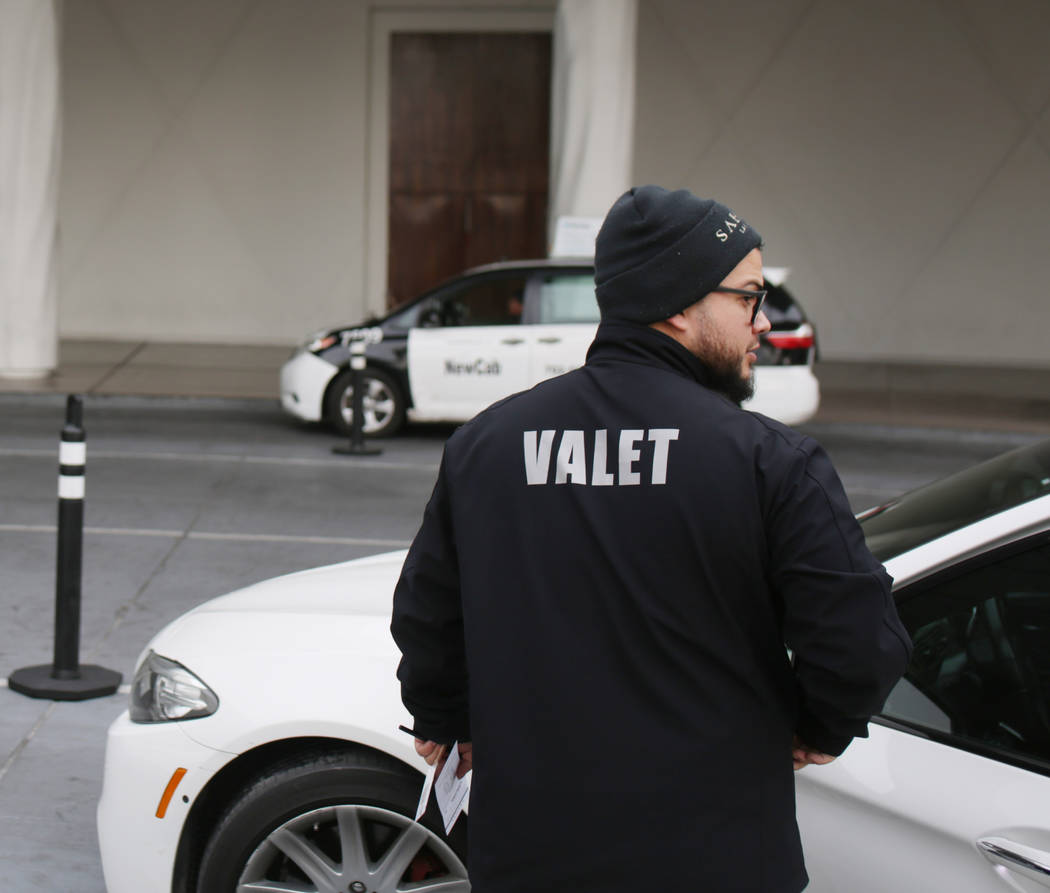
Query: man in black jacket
point(607, 572)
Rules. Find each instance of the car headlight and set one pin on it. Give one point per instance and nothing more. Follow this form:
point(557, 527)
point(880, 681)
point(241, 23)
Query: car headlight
point(165, 691)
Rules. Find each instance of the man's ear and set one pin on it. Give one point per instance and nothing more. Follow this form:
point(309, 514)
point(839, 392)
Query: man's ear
point(677, 322)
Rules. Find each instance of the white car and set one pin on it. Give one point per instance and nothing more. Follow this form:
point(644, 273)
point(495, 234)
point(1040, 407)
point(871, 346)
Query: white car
point(262, 751)
point(499, 329)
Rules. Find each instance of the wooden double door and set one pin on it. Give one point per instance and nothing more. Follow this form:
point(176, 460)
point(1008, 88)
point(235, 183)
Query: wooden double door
point(469, 154)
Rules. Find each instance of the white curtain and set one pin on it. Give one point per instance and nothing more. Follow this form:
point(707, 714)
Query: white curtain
point(29, 160)
point(592, 106)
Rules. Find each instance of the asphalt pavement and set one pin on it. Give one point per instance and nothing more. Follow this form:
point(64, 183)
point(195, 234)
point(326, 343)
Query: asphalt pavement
point(188, 498)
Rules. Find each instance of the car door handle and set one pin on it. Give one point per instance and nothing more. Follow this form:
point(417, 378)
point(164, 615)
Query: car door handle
point(1032, 863)
point(549, 340)
point(513, 341)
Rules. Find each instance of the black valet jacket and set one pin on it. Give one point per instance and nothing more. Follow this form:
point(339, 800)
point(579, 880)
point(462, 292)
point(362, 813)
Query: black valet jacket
point(603, 609)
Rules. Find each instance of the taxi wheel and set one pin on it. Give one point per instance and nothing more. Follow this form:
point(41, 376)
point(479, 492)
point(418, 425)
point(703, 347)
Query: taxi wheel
point(333, 821)
point(384, 403)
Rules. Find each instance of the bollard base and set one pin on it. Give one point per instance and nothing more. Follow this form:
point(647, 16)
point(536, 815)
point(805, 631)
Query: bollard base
point(353, 450)
point(37, 682)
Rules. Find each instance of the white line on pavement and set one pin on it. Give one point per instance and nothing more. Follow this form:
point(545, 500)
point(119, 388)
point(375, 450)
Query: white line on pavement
point(281, 538)
point(355, 463)
point(350, 462)
point(206, 535)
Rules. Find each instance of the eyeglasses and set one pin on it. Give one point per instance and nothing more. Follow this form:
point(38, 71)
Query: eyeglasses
point(759, 295)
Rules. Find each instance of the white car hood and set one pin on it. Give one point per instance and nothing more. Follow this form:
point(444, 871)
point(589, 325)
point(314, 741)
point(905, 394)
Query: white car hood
point(362, 586)
point(306, 654)
point(332, 608)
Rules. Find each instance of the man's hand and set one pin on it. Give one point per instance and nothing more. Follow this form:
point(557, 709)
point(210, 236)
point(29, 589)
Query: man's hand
point(802, 755)
point(433, 752)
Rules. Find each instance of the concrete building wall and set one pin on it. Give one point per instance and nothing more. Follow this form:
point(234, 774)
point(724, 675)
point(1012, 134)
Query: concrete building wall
point(895, 155)
point(217, 167)
point(224, 162)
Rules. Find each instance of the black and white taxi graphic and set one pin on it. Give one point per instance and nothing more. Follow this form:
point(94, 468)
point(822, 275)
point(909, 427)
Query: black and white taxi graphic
point(499, 329)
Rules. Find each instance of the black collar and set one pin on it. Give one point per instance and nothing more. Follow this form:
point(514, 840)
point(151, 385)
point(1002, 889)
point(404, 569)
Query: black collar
point(628, 342)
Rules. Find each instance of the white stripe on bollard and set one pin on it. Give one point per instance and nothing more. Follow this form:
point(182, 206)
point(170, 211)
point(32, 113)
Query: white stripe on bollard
point(357, 355)
point(70, 453)
point(70, 486)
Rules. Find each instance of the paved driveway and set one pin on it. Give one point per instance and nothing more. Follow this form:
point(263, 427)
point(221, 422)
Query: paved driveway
point(187, 499)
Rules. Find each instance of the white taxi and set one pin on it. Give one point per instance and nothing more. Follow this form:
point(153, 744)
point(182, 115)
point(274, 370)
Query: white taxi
point(497, 330)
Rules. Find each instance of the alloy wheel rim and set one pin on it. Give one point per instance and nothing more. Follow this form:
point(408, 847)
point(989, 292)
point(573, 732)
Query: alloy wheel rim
point(377, 404)
point(352, 848)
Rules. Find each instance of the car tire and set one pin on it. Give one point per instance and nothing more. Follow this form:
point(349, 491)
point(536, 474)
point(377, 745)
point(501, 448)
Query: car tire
point(384, 402)
point(333, 821)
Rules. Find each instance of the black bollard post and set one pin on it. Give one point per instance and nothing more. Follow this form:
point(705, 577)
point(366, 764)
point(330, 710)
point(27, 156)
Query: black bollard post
point(357, 406)
point(65, 679)
point(68, 566)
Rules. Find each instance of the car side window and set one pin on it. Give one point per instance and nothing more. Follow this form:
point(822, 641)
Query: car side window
point(980, 669)
point(403, 320)
point(566, 298)
point(484, 302)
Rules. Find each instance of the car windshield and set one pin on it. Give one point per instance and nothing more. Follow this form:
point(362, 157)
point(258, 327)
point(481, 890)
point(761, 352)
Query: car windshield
point(938, 508)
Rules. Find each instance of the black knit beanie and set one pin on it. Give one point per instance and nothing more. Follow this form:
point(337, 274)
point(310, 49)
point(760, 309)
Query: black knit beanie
point(658, 252)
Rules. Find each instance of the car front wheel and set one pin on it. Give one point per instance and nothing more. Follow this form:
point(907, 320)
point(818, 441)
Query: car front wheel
point(331, 822)
point(383, 403)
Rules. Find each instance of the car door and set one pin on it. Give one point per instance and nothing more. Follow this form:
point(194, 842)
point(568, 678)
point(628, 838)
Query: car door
point(563, 315)
point(469, 348)
point(951, 792)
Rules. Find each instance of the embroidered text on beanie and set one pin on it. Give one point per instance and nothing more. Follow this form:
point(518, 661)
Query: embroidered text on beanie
point(658, 252)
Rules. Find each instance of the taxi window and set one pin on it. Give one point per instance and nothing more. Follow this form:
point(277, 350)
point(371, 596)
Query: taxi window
point(484, 302)
point(403, 320)
point(567, 298)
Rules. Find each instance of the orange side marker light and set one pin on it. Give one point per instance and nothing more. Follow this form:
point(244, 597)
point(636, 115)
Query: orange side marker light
point(169, 792)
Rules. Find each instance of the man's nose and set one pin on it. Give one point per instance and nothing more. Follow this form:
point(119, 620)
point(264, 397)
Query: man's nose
point(762, 323)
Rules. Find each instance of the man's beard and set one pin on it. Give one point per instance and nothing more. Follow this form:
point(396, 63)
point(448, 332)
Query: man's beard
point(723, 373)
